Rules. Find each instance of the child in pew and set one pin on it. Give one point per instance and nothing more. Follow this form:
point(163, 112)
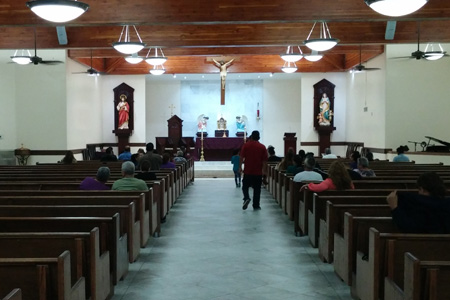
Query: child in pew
point(425, 212)
point(338, 179)
point(235, 161)
point(97, 183)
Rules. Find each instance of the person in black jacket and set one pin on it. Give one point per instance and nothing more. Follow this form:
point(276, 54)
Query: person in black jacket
point(425, 212)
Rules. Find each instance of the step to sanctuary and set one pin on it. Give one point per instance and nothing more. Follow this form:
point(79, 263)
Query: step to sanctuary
point(213, 169)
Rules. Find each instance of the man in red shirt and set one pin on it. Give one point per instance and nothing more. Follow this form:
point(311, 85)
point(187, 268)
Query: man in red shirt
point(254, 156)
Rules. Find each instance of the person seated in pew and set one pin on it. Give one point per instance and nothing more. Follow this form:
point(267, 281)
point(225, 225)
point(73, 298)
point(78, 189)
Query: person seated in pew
point(328, 154)
point(97, 183)
point(297, 167)
point(308, 174)
point(179, 157)
point(136, 157)
point(145, 173)
point(369, 155)
point(338, 179)
point(126, 154)
point(428, 211)
point(109, 156)
point(128, 182)
point(363, 168)
point(166, 163)
point(68, 159)
point(287, 161)
point(355, 155)
point(401, 157)
point(272, 156)
point(154, 158)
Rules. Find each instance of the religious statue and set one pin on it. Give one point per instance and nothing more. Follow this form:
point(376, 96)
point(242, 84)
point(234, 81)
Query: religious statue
point(221, 124)
point(241, 123)
point(325, 113)
point(202, 123)
point(223, 70)
point(124, 110)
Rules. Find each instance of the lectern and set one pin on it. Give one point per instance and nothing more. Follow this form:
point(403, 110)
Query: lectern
point(290, 141)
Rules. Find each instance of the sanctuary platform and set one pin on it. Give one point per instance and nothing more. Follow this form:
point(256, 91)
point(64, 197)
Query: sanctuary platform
point(213, 169)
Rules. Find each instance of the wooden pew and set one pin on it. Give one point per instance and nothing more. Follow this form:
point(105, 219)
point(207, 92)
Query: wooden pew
point(345, 244)
point(129, 229)
point(429, 247)
point(426, 279)
point(152, 212)
point(91, 197)
point(86, 259)
point(110, 239)
point(335, 223)
point(15, 294)
point(317, 214)
point(41, 278)
point(306, 198)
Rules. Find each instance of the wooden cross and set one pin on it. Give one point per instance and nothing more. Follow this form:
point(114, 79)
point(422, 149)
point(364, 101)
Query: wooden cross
point(171, 109)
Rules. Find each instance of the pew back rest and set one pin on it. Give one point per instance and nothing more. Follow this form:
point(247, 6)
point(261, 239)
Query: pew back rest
point(423, 246)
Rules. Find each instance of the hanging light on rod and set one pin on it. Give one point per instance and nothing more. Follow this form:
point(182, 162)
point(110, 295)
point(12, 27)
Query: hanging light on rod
point(290, 56)
point(126, 46)
point(156, 59)
point(324, 42)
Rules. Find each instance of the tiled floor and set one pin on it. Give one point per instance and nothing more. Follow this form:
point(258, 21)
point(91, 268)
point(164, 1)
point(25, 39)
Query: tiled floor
point(211, 249)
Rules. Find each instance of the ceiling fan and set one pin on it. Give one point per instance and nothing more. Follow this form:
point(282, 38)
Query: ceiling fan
point(360, 67)
point(427, 54)
point(38, 60)
point(91, 71)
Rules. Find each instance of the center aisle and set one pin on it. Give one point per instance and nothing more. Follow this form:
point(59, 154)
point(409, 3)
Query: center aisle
point(212, 249)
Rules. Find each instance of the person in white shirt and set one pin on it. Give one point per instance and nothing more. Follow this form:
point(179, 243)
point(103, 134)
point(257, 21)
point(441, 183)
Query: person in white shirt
point(308, 174)
point(328, 154)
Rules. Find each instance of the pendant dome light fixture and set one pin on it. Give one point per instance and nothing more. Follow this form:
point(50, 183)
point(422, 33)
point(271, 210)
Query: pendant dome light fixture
point(134, 58)
point(290, 56)
point(395, 8)
point(22, 57)
point(156, 59)
point(158, 70)
point(126, 46)
point(434, 51)
point(58, 11)
point(313, 56)
point(324, 42)
point(289, 67)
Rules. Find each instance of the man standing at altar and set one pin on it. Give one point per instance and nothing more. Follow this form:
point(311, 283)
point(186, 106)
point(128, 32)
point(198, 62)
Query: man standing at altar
point(254, 156)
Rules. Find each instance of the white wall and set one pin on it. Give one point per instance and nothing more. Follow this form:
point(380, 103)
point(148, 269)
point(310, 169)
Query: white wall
point(41, 104)
point(84, 107)
point(417, 97)
point(107, 84)
point(281, 111)
point(367, 89)
point(8, 130)
point(159, 96)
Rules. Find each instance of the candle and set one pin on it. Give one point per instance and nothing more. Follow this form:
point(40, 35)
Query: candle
point(202, 134)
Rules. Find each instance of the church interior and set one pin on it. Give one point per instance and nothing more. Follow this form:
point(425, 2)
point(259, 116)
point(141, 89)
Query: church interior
point(225, 69)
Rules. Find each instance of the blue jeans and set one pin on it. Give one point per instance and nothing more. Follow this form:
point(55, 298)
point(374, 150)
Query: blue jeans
point(237, 177)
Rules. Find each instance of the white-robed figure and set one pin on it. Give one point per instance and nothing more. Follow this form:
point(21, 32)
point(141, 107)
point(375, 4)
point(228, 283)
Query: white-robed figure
point(223, 70)
point(325, 113)
point(202, 123)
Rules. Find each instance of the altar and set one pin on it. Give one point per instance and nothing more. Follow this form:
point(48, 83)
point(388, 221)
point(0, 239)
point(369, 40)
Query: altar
point(218, 148)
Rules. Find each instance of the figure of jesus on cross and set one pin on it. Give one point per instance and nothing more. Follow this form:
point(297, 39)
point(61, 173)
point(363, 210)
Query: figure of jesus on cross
point(223, 70)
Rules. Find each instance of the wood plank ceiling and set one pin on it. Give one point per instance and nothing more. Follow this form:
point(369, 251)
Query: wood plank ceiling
point(253, 31)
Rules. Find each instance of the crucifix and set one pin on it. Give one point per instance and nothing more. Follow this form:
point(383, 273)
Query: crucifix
point(223, 74)
point(171, 109)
